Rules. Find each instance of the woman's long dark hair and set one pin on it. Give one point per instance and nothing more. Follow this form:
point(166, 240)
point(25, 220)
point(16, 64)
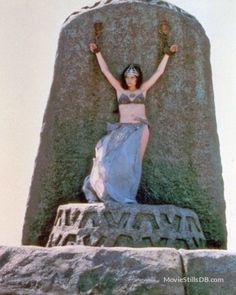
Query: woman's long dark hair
point(139, 78)
point(123, 82)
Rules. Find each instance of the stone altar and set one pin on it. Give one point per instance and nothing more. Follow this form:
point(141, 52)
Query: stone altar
point(113, 225)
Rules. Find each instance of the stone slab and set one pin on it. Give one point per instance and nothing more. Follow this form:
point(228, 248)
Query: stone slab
point(210, 272)
point(88, 270)
point(84, 270)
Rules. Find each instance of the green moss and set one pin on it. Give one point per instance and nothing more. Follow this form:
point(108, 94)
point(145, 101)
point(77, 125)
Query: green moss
point(189, 59)
point(166, 183)
point(73, 149)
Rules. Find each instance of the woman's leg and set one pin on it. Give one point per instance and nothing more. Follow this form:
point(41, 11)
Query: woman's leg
point(144, 141)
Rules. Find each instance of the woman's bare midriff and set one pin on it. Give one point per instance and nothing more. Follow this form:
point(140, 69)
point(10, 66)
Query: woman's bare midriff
point(130, 112)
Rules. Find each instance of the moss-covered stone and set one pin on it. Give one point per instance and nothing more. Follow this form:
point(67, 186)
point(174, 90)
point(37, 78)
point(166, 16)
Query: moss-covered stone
point(182, 164)
point(178, 185)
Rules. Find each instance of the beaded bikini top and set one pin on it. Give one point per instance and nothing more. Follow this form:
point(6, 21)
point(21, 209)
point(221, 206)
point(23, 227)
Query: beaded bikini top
point(126, 97)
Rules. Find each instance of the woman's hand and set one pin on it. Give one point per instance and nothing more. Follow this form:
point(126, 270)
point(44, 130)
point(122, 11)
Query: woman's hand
point(173, 48)
point(93, 47)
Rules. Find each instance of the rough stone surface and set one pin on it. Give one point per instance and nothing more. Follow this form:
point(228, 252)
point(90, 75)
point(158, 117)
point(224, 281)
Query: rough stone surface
point(85, 270)
point(114, 225)
point(182, 165)
point(215, 270)
point(89, 270)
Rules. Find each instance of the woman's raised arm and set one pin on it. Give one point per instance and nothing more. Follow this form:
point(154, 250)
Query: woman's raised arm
point(104, 68)
point(160, 70)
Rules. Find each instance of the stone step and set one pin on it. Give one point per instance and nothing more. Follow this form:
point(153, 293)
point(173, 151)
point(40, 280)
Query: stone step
point(131, 225)
point(87, 270)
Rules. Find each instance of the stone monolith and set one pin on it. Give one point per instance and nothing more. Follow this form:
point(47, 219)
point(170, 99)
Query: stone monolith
point(182, 164)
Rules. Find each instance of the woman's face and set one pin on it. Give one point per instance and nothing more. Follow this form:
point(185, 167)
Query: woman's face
point(131, 81)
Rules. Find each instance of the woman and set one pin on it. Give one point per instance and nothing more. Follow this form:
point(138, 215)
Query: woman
point(117, 166)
